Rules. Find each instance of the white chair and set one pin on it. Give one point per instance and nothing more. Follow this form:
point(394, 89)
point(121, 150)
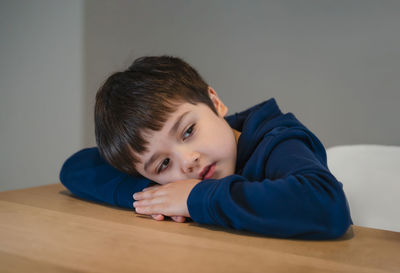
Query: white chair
point(371, 181)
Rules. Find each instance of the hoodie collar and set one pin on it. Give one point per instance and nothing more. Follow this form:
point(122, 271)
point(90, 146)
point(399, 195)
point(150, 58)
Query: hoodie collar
point(250, 122)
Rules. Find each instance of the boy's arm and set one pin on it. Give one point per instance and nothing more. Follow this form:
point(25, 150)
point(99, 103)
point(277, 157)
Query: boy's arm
point(87, 175)
point(302, 199)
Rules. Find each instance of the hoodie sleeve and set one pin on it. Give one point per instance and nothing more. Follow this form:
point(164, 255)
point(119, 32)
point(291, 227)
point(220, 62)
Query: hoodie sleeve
point(298, 196)
point(87, 175)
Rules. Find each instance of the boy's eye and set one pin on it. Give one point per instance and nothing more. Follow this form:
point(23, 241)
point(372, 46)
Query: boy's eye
point(188, 132)
point(165, 162)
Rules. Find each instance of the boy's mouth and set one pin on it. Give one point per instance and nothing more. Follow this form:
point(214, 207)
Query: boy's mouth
point(207, 172)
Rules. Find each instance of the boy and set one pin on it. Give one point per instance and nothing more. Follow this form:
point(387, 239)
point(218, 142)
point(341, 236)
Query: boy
point(258, 170)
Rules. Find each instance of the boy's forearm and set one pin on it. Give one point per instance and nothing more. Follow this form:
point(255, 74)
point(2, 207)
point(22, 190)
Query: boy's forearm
point(87, 175)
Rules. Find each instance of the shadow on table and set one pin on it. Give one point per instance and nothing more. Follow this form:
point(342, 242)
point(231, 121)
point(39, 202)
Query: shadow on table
point(347, 236)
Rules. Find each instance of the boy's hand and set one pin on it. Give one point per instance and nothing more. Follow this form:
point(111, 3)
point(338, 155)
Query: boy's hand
point(169, 199)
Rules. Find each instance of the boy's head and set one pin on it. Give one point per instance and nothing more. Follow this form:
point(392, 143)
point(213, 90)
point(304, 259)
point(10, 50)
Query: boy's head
point(161, 120)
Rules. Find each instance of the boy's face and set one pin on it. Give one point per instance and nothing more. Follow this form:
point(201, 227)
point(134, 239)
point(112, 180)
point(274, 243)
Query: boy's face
point(201, 139)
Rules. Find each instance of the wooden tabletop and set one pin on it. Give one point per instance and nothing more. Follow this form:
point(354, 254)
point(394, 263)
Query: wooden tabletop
point(46, 229)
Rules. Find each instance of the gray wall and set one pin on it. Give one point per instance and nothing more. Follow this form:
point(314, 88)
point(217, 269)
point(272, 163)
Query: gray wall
point(41, 89)
point(334, 64)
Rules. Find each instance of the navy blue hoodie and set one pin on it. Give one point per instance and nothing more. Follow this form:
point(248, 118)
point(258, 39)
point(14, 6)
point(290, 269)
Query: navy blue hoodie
point(282, 186)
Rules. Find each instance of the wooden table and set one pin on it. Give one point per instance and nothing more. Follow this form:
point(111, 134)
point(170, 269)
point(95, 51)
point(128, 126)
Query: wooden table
point(46, 229)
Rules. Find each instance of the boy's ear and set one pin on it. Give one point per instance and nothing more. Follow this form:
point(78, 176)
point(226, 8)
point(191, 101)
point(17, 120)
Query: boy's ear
point(221, 108)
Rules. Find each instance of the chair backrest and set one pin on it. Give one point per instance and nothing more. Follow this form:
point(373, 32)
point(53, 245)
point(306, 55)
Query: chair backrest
point(371, 181)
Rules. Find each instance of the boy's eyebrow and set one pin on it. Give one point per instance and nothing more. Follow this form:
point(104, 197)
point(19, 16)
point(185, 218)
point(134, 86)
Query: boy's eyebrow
point(171, 133)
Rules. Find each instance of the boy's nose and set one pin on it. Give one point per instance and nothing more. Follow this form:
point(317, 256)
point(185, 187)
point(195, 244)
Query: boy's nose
point(190, 162)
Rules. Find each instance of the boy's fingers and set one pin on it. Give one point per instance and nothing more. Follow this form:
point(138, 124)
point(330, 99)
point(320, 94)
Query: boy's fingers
point(151, 188)
point(179, 219)
point(149, 201)
point(146, 194)
point(158, 217)
point(153, 209)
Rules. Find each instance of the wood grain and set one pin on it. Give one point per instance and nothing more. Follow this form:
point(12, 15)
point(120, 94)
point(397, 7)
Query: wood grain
point(46, 229)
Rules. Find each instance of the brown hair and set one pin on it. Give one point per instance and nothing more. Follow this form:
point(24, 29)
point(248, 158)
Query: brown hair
point(140, 99)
